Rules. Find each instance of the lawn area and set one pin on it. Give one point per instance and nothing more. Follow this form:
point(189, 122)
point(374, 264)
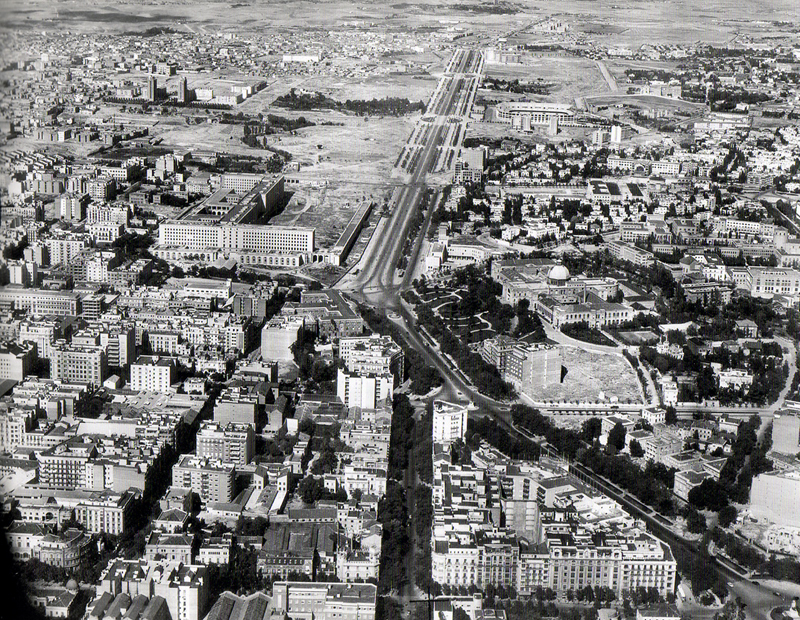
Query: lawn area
point(581, 331)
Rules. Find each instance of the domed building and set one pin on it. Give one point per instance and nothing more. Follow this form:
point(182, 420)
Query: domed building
point(558, 275)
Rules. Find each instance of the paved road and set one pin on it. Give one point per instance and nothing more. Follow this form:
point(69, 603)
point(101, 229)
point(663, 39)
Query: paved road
point(377, 282)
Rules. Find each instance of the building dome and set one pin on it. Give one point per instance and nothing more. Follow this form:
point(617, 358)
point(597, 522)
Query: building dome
point(558, 274)
point(72, 585)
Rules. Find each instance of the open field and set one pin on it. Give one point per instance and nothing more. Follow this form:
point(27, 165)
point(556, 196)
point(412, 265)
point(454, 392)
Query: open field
point(586, 372)
point(570, 76)
point(355, 149)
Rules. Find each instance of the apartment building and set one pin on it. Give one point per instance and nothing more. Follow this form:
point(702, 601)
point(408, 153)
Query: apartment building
point(185, 587)
point(278, 336)
point(231, 443)
point(365, 391)
point(78, 364)
point(449, 422)
point(16, 361)
point(198, 236)
point(65, 466)
point(352, 601)
point(152, 373)
point(41, 302)
point(212, 480)
point(374, 354)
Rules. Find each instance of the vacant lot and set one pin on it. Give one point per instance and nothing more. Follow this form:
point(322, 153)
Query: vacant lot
point(592, 377)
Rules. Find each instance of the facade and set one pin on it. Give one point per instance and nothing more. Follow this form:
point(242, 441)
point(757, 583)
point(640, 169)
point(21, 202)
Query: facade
point(41, 302)
point(78, 364)
point(786, 433)
point(232, 443)
point(16, 361)
point(776, 497)
point(532, 367)
point(278, 336)
point(449, 422)
point(200, 236)
point(365, 391)
point(212, 480)
point(374, 354)
point(151, 373)
point(306, 601)
point(523, 114)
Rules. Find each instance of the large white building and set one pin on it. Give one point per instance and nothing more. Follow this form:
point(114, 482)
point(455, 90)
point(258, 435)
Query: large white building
point(278, 336)
point(449, 421)
point(78, 364)
point(151, 373)
point(364, 391)
point(523, 114)
point(178, 239)
point(776, 497)
point(231, 443)
point(372, 354)
point(786, 433)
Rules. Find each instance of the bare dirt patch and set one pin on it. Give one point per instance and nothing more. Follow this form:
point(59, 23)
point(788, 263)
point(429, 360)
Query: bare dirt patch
point(590, 374)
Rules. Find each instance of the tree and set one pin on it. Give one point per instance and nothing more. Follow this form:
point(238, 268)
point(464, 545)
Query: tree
point(695, 522)
point(636, 449)
point(671, 416)
point(616, 436)
point(710, 495)
point(727, 516)
point(591, 429)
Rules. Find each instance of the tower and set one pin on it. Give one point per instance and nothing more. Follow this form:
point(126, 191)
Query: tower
point(182, 93)
point(152, 87)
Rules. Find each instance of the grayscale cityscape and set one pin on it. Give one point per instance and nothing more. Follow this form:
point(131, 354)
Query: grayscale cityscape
point(418, 310)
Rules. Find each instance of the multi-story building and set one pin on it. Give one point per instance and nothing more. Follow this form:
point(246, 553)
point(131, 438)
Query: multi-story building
point(771, 281)
point(271, 245)
point(776, 497)
point(630, 253)
point(365, 391)
point(185, 587)
point(72, 206)
point(232, 443)
point(168, 547)
point(593, 310)
point(328, 313)
point(152, 373)
point(278, 336)
point(238, 404)
point(101, 189)
point(62, 250)
point(107, 214)
point(42, 332)
point(105, 232)
point(378, 355)
point(65, 466)
point(786, 433)
point(16, 361)
point(449, 422)
point(105, 512)
point(78, 364)
point(352, 601)
point(69, 549)
point(40, 302)
point(532, 367)
point(212, 480)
